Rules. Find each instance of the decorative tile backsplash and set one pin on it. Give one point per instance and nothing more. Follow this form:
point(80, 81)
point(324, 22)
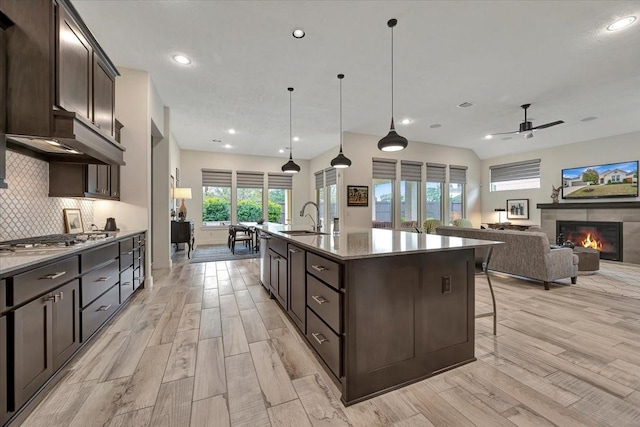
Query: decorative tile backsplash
point(26, 210)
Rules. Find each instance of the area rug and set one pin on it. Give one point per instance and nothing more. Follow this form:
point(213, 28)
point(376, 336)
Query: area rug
point(210, 253)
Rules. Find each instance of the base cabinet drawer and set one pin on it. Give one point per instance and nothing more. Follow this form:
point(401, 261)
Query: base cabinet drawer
point(3, 370)
point(126, 253)
point(98, 281)
point(324, 341)
point(41, 280)
point(99, 311)
point(324, 269)
point(95, 257)
point(126, 284)
point(324, 301)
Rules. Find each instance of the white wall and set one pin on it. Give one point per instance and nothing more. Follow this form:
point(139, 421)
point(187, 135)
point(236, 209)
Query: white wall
point(161, 197)
point(156, 109)
point(612, 149)
point(132, 110)
point(192, 163)
point(361, 149)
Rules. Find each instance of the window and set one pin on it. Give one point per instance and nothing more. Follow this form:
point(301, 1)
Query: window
point(216, 197)
point(320, 194)
point(249, 196)
point(457, 181)
point(384, 175)
point(436, 176)
point(515, 176)
point(332, 194)
point(410, 179)
point(279, 204)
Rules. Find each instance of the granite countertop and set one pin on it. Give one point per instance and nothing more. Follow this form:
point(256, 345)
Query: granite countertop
point(354, 243)
point(12, 261)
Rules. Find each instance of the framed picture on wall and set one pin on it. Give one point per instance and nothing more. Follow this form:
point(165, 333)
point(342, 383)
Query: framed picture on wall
point(357, 195)
point(518, 209)
point(72, 221)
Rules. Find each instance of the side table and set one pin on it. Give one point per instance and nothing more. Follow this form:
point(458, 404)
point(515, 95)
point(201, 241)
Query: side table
point(183, 232)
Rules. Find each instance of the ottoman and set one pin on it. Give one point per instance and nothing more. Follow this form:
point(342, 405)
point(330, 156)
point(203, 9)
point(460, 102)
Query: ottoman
point(589, 259)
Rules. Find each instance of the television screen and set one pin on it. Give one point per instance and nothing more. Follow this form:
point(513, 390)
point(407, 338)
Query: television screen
point(607, 180)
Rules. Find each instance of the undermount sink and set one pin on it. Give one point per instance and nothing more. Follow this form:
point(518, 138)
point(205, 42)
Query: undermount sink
point(303, 233)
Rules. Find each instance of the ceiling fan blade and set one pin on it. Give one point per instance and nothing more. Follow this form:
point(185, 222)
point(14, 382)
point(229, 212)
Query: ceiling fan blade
point(505, 133)
point(548, 125)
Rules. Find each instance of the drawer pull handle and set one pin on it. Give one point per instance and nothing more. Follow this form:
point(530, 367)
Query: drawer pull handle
point(319, 267)
point(55, 297)
point(319, 337)
point(126, 253)
point(104, 307)
point(103, 279)
point(126, 284)
point(53, 276)
point(293, 251)
point(319, 299)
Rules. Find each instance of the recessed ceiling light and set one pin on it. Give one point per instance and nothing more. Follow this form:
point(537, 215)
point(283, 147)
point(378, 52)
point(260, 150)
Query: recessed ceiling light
point(181, 59)
point(435, 126)
point(622, 23)
point(298, 33)
point(588, 119)
point(281, 151)
point(296, 139)
point(227, 146)
point(465, 104)
point(405, 121)
point(232, 131)
point(488, 136)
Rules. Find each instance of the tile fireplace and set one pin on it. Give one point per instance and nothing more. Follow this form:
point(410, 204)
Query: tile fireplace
point(606, 237)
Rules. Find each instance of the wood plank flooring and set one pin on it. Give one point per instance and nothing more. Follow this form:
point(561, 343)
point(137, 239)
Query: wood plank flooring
point(207, 347)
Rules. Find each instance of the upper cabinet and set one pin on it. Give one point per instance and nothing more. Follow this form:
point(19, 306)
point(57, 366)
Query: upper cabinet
point(60, 84)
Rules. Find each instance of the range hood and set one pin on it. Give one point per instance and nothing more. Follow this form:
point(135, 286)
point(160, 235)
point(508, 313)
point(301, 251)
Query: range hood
point(74, 140)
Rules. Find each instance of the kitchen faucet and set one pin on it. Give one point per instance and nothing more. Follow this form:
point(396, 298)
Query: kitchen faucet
point(316, 225)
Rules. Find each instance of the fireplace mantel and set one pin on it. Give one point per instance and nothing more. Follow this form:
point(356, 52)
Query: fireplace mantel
point(597, 205)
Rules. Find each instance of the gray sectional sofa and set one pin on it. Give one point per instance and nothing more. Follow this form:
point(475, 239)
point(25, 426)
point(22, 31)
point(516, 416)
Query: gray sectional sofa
point(524, 253)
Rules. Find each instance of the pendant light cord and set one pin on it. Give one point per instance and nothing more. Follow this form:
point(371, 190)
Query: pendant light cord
point(290, 143)
point(341, 116)
point(391, 73)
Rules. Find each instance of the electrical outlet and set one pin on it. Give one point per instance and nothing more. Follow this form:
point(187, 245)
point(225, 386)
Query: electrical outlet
point(446, 284)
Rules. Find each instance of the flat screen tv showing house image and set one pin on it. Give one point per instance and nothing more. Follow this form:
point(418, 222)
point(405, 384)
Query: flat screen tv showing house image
point(595, 182)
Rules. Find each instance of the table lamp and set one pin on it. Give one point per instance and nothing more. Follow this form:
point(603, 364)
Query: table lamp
point(500, 210)
point(182, 193)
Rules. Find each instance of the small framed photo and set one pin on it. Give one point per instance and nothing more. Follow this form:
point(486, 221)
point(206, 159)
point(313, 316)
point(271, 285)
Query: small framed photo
point(518, 209)
point(357, 195)
point(73, 221)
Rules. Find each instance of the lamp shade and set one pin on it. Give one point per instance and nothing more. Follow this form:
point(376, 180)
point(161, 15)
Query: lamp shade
point(182, 193)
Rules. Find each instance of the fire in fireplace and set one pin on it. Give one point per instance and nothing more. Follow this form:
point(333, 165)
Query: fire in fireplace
point(606, 237)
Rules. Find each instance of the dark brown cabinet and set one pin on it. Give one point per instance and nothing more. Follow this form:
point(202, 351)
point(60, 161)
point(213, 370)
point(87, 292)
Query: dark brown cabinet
point(103, 96)
point(77, 180)
point(297, 286)
point(183, 232)
point(278, 277)
point(74, 66)
point(4, 24)
point(3, 368)
point(98, 180)
point(66, 322)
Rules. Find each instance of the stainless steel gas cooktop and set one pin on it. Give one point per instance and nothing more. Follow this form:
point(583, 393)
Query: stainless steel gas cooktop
point(50, 242)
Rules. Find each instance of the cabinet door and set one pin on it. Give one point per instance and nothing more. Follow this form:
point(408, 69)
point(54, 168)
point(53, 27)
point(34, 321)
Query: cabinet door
point(103, 95)
point(114, 178)
point(74, 63)
point(274, 260)
point(98, 180)
point(3, 370)
point(66, 322)
point(297, 286)
point(282, 283)
point(32, 348)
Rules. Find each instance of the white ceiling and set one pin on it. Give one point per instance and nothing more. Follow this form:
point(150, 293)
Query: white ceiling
point(555, 55)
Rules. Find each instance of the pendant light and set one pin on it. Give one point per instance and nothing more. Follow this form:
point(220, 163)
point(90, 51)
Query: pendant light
point(341, 161)
point(393, 141)
point(290, 166)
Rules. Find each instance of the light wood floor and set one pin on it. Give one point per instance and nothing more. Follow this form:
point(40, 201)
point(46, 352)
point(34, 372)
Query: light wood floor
point(207, 347)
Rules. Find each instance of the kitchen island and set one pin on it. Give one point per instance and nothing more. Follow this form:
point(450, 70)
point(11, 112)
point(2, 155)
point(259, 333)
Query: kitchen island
point(381, 308)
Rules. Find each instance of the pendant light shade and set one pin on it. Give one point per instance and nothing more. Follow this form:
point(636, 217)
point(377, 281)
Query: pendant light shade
point(290, 166)
point(341, 161)
point(393, 141)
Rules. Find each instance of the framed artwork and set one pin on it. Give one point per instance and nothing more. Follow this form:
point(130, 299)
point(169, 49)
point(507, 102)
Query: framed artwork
point(357, 195)
point(73, 221)
point(518, 209)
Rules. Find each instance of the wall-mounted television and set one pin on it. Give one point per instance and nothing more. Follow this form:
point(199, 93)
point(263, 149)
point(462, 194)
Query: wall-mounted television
point(598, 181)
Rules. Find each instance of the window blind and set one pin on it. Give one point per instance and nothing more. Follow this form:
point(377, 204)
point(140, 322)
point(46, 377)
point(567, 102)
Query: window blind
point(436, 172)
point(457, 174)
point(249, 179)
point(529, 169)
point(410, 171)
point(282, 181)
point(319, 179)
point(216, 178)
point(384, 168)
point(330, 176)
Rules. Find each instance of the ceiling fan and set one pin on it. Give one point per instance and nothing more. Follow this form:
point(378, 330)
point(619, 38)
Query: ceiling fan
point(526, 127)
